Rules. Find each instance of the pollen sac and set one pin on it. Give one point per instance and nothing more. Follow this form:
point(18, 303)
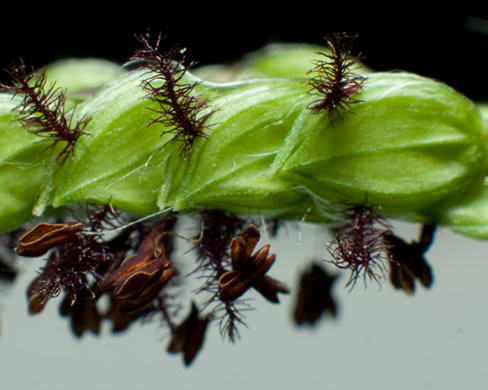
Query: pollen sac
point(409, 143)
point(133, 284)
point(269, 288)
point(138, 279)
point(139, 302)
point(235, 283)
point(249, 270)
point(44, 236)
point(38, 294)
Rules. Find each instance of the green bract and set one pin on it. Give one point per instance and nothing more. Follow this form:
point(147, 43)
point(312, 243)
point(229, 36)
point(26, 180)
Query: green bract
point(467, 212)
point(82, 77)
point(286, 60)
point(21, 167)
point(231, 169)
point(408, 144)
point(119, 160)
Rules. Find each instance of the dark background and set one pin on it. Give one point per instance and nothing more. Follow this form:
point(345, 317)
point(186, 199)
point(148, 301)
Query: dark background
point(452, 48)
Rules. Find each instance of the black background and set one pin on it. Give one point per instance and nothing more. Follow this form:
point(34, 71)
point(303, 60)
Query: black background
point(450, 47)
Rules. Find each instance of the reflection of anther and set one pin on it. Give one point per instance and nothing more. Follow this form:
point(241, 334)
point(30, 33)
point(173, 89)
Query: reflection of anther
point(407, 262)
point(188, 337)
point(314, 296)
point(122, 320)
point(83, 313)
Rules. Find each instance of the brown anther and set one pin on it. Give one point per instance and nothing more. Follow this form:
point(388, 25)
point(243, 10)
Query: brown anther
point(250, 236)
point(38, 295)
point(129, 266)
point(249, 270)
point(44, 236)
point(134, 283)
point(269, 288)
point(158, 240)
point(140, 278)
point(242, 247)
point(140, 301)
point(234, 284)
point(37, 300)
point(238, 252)
point(188, 337)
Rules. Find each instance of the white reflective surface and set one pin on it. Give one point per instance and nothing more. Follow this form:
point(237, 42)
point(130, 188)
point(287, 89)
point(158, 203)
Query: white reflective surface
point(383, 339)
